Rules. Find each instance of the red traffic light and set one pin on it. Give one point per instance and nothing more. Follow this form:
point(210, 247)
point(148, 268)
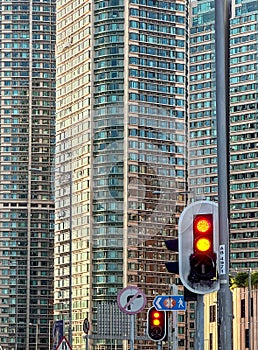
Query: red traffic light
point(156, 324)
point(203, 233)
point(203, 259)
point(202, 223)
point(198, 243)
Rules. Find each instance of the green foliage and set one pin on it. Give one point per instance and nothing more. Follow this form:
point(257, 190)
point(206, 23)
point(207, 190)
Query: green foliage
point(231, 282)
point(254, 278)
point(241, 279)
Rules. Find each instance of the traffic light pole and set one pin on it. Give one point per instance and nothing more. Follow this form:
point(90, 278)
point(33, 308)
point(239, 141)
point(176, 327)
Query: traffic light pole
point(199, 340)
point(175, 321)
point(225, 309)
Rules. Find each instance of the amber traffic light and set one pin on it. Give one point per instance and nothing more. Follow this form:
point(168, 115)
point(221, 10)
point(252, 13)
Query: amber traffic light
point(156, 324)
point(203, 259)
point(198, 247)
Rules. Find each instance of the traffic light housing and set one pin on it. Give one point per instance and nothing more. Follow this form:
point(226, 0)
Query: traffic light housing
point(203, 261)
point(172, 266)
point(156, 324)
point(199, 247)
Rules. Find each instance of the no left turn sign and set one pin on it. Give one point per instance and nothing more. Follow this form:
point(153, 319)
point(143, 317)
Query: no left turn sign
point(131, 300)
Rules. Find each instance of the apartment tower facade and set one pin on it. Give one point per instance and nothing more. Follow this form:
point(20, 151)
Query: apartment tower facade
point(243, 45)
point(121, 148)
point(243, 121)
point(27, 146)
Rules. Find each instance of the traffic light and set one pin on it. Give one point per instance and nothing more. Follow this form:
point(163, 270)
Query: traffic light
point(172, 266)
point(199, 247)
point(203, 261)
point(156, 324)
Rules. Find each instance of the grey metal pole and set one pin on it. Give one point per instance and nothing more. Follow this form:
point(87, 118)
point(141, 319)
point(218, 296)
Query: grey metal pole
point(175, 333)
point(175, 321)
point(37, 335)
point(222, 19)
point(169, 330)
point(159, 345)
point(199, 340)
point(49, 336)
point(70, 329)
point(249, 309)
point(132, 332)
point(86, 342)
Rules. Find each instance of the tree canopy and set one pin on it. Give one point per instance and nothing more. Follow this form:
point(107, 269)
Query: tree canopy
point(241, 279)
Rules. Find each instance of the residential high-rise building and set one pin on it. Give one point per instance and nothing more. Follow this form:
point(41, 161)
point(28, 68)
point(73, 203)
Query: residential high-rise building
point(242, 119)
point(27, 146)
point(120, 156)
point(243, 135)
point(203, 178)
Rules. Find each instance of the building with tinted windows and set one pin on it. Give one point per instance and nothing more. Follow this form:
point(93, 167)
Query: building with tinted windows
point(27, 148)
point(121, 149)
point(243, 121)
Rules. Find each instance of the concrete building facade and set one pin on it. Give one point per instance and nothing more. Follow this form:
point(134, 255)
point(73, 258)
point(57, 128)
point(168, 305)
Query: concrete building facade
point(27, 146)
point(121, 116)
point(243, 121)
point(244, 320)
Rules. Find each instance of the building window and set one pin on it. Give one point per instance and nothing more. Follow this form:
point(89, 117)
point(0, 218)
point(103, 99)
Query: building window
point(212, 313)
point(243, 308)
point(247, 338)
point(211, 341)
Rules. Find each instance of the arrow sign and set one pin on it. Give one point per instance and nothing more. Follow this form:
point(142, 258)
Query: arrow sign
point(169, 303)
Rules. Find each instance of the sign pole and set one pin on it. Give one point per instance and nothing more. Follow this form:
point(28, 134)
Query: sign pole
point(131, 300)
point(132, 332)
point(199, 340)
point(86, 342)
point(222, 28)
point(169, 331)
point(175, 322)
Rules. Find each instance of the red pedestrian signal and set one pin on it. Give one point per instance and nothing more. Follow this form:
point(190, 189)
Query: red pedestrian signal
point(156, 324)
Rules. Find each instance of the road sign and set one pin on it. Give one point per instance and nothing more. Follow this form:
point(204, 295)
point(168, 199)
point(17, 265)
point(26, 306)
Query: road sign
point(58, 333)
point(86, 326)
point(222, 259)
point(64, 344)
point(169, 303)
point(131, 300)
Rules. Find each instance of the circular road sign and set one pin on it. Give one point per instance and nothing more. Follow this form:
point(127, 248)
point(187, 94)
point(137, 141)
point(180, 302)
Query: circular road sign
point(86, 326)
point(131, 300)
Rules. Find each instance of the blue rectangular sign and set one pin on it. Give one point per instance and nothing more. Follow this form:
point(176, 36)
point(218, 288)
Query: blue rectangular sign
point(169, 303)
point(58, 333)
